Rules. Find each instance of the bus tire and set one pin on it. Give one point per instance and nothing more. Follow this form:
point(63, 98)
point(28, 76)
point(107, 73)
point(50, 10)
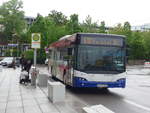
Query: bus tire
point(105, 90)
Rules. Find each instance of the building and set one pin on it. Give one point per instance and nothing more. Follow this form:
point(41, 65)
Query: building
point(29, 20)
point(145, 27)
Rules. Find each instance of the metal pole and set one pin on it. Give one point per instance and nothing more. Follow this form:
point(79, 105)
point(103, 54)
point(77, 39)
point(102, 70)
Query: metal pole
point(35, 54)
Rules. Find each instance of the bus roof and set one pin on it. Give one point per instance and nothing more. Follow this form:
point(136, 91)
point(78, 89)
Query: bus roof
point(68, 39)
point(102, 34)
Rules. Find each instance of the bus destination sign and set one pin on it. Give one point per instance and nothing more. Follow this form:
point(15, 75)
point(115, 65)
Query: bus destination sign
point(102, 41)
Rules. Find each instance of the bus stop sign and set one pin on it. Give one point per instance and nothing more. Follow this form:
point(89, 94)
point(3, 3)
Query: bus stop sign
point(36, 40)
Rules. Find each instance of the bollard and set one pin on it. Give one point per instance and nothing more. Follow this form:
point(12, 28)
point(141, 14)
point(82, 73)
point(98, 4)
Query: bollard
point(56, 91)
point(34, 73)
point(42, 79)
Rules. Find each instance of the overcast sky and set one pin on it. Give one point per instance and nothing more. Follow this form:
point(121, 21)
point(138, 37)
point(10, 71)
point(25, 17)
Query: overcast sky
point(137, 12)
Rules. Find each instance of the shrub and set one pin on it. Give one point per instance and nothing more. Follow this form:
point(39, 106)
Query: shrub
point(41, 56)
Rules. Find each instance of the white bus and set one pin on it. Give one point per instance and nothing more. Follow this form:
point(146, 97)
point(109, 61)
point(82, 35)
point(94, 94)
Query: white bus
point(89, 60)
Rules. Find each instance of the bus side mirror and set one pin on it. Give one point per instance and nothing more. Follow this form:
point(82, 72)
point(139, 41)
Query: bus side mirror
point(69, 51)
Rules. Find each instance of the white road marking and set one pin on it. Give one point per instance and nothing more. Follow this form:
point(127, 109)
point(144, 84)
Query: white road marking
point(137, 105)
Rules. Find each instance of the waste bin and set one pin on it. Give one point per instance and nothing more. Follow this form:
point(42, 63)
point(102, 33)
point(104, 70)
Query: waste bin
point(42, 79)
point(56, 91)
point(34, 73)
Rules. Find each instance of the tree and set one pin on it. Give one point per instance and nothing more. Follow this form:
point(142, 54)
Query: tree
point(89, 26)
point(146, 43)
point(127, 32)
point(49, 30)
point(102, 27)
point(12, 18)
point(73, 24)
point(137, 49)
point(117, 30)
point(58, 17)
point(127, 26)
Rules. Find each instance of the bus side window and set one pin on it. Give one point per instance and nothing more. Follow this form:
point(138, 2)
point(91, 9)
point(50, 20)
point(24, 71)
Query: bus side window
point(55, 55)
point(50, 54)
point(69, 51)
point(64, 54)
point(58, 55)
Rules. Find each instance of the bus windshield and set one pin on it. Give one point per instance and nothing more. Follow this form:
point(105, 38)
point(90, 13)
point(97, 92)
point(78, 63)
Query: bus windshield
point(101, 58)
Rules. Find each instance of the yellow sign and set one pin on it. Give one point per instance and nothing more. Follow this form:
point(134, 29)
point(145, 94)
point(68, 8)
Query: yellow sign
point(36, 40)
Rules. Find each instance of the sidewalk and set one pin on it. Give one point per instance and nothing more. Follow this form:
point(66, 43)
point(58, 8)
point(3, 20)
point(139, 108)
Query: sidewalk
point(18, 98)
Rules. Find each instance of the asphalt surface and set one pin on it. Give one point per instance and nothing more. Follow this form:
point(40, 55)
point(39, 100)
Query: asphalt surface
point(135, 98)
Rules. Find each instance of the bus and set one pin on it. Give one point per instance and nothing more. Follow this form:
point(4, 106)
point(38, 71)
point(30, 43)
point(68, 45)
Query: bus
point(89, 60)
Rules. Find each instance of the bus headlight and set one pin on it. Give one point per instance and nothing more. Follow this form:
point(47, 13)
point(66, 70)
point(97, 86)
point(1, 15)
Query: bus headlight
point(82, 79)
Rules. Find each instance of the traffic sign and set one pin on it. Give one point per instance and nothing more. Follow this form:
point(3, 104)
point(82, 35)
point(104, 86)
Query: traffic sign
point(36, 40)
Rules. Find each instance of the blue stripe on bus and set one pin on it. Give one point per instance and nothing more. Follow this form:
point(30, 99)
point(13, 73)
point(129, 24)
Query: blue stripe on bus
point(81, 82)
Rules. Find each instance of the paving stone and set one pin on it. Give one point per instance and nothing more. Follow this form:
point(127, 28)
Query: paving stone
point(32, 109)
point(3, 106)
point(14, 98)
point(14, 94)
point(44, 100)
point(3, 99)
point(48, 108)
point(29, 102)
point(27, 99)
point(2, 110)
point(64, 107)
point(14, 104)
point(15, 110)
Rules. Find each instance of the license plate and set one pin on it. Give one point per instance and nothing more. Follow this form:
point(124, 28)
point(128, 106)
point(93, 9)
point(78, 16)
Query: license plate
point(102, 85)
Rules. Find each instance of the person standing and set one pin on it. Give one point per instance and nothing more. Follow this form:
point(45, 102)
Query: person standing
point(27, 68)
point(28, 65)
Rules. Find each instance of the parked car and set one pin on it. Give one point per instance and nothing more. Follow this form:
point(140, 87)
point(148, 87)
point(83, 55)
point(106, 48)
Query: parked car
point(17, 61)
point(1, 60)
point(7, 61)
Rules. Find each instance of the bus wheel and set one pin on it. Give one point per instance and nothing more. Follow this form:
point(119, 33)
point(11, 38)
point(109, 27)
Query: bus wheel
point(105, 90)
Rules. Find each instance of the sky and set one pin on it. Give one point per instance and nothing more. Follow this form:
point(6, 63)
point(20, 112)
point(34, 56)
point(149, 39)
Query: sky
point(137, 12)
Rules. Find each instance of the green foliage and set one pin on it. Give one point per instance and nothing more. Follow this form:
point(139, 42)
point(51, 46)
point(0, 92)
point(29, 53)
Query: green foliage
point(102, 27)
point(137, 48)
point(58, 17)
point(117, 30)
point(73, 24)
point(29, 54)
point(88, 26)
point(12, 18)
point(55, 25)
point(12, 52)
point(41, 56)
point(7, 53)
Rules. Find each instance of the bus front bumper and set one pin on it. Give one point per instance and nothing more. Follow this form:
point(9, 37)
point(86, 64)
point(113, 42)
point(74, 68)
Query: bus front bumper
point(80, 82)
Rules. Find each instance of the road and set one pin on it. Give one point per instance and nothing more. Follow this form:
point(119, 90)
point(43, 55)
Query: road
point(135, 98)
